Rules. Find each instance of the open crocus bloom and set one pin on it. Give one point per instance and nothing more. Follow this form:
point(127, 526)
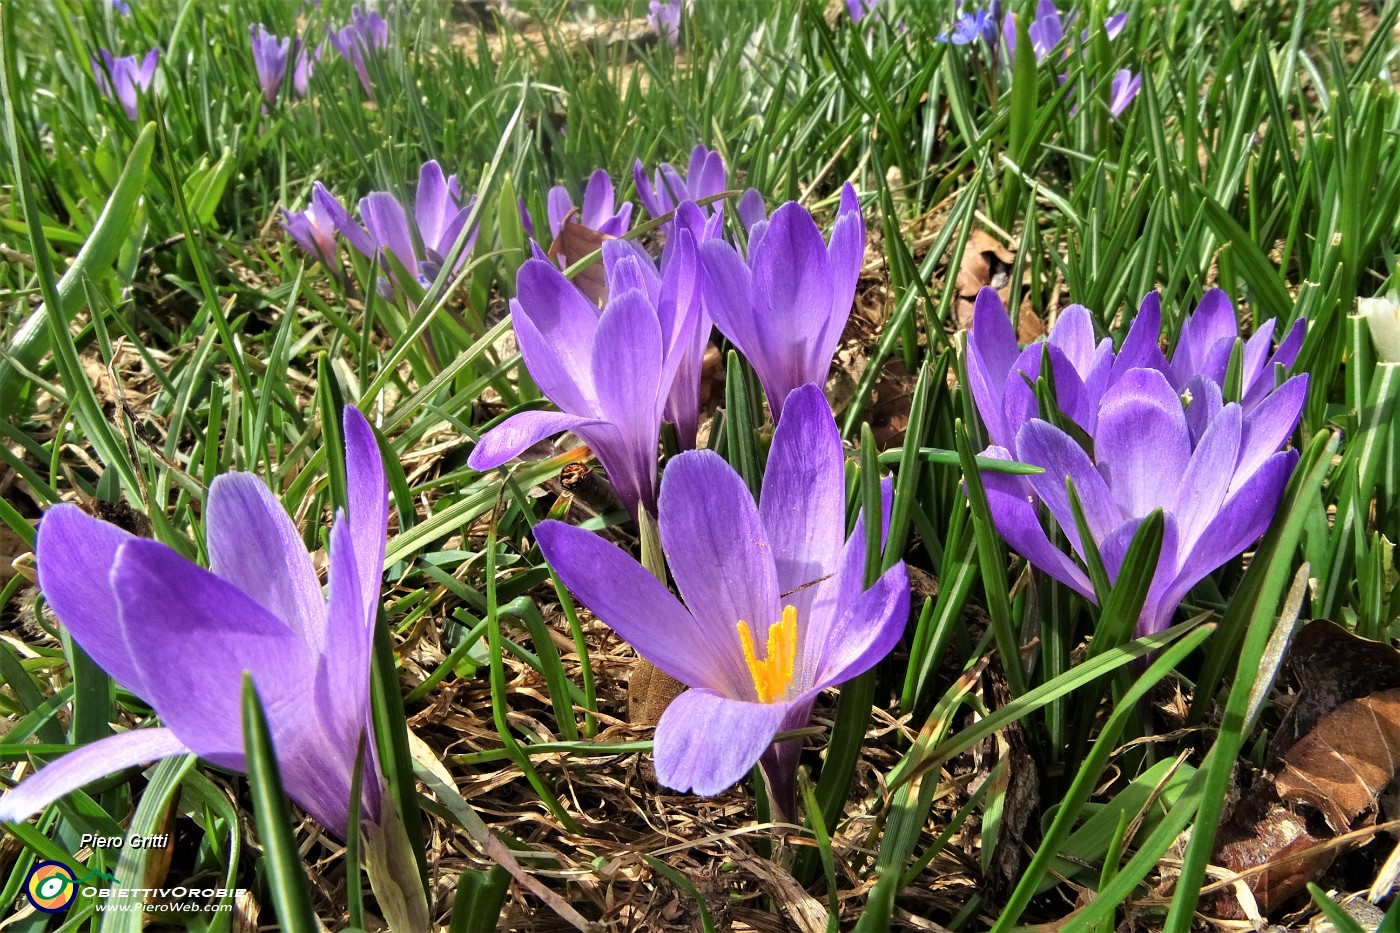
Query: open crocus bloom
point(181, 637)
point(785, 308)
point(597, 212)
point(270, 59)
point(1084, 367)
point(127, 78)
point(611, 374)
point(664, 17)
point(439, 214)
point(705, 176)
point(1162, 436)
point(366, 33)
point(775, 604)
point(314, 228)
point(1214, 469)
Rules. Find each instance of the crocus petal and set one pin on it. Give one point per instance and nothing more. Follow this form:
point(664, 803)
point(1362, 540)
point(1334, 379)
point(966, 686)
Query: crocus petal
point(367, 495)
point(645, 193)
point(566, 323)
point(717, 547)
point(991, 352)
point(1212, 322)
point(1073, 333)
point(1245, 516)
point(75, 553)
point(1124, 88)
point(558, 206)
point(1016, 515)
point(354, 234)
point(867, 631)
point(518, 433)
point(254, 545)
point(845, 256)
point(1044, 445)
point(706, 743)
point(388, 225)
point(1204, 401)
point(1140, 350)
point(793, 286)
point(433, 206)
point(84, 765)
point(597, 200)
point(1268, 426)
point(1207, 477)
point(1142, 441)
point(630, 601)
point(1113, 25)
point(751, 208)
point(803, 500)
point(627, 359)
point(192, 635)
point(1019, 403)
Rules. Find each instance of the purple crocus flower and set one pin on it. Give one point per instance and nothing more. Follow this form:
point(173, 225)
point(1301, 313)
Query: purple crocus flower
point(785, 308)
point(1163, 436)
point(664, 17)
point(122, 7)
point(121, 79)
point(775, 606)
point(314, 229)
point(367, 32)
point(181, 637)
point(270, 59)
point(706, 176)
point(969, 27)
point(597, 212)
point(1125, 87)
point(439, 214)
point(610, 373)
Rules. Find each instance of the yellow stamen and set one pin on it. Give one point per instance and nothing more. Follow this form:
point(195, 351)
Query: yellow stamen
point(772, 675)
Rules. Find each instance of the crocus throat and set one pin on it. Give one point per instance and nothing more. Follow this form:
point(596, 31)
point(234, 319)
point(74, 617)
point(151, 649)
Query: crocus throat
point(772, 675)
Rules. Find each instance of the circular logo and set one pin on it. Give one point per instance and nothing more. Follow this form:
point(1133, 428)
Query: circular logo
point(50, 887)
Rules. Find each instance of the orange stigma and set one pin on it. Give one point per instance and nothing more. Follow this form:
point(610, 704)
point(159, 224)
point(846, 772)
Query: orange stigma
point(772, 675)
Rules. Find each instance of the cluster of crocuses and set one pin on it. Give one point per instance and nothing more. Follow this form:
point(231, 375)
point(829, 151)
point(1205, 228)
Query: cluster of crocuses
point(997, 31)
point(391, 236)
point(365, 34)
point(1141, 433)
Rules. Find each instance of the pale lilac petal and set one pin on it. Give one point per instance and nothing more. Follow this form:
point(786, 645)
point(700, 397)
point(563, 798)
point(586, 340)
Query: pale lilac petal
point(845, 256)
point(1269, 425)
point(1205, 402)
point(1207, 477)
point(1212, 322)
point(627, 359)
point(192, 636)
point(867, 631)
point(1019, 402)
point(803, 502)
point(793, 289)
point(645, 193)
point(75, 553)
point(433, 205)
point(558, 206)
point(367, 495)
point(630, 601)
point(717, 547)
point(1044, 445)
point(1286, 355)
point(555, 326)
point(84, 765)
point(354, 234)
point(388, 225)
point(1113, 25)
point(1015, 512)
point(518, 433)
point(728, 295)
point(991, 352)
point(1245, 516)
point(1073, 333)
point(597, 200)
point(254, 545)
point(1140, 350)
point(1123, 90)
point(752, 208)
point(1142, 442)
point(706, 743)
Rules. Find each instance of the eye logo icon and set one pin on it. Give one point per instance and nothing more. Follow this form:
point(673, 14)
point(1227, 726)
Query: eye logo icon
point(50, 887)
